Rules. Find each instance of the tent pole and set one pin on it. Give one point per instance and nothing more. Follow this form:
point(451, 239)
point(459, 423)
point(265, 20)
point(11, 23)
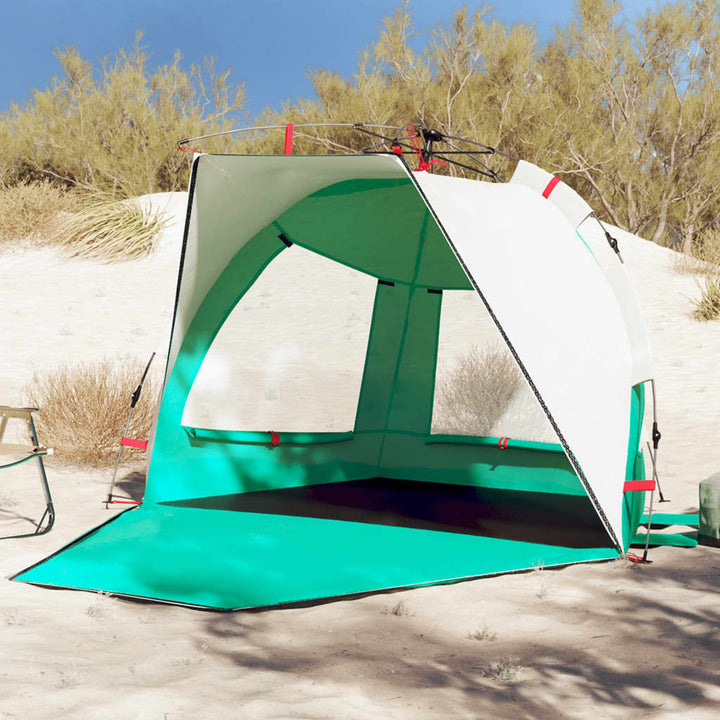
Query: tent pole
point(652, 450)
point(133, 402)
point(655, 442)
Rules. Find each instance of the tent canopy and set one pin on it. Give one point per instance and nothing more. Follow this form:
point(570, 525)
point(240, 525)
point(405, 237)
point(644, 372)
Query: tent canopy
point(334, 316)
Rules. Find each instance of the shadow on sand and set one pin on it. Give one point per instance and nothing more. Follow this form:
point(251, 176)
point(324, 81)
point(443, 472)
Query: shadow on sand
point(622, 651)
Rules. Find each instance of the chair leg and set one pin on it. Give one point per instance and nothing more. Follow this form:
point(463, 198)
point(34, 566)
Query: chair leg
point(49, 509)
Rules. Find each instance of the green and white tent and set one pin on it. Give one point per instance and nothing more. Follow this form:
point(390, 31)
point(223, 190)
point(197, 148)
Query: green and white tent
point(379, 378)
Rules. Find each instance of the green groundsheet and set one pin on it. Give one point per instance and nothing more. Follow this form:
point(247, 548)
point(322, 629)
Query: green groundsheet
point(231, 559)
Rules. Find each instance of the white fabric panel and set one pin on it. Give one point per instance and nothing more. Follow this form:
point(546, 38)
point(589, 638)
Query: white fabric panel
point(578, 211)
point(619, 279)
point(550, 297)
point(236, 197)
point(563, 196)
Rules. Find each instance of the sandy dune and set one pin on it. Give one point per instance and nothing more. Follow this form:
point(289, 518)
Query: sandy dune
point(612, 640)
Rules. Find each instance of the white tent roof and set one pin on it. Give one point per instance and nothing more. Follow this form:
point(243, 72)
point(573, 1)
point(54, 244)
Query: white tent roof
point(551, 300)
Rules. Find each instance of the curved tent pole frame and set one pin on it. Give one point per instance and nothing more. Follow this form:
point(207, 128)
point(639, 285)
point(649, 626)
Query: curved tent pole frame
point(429, 137)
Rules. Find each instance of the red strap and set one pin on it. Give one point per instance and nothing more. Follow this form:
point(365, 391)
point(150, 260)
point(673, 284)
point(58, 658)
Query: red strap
point(188, 148)
point(130, 442)
point(503, 443)
point(632, 485)
point(633, 557)
point(124, 502)
point(550, 187)
point(275, 438)
point(288, 138)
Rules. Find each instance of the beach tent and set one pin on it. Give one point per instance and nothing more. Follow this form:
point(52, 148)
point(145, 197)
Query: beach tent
point(379, 378)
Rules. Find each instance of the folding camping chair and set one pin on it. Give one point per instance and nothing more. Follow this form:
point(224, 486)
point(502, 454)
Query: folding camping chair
point(20, 453)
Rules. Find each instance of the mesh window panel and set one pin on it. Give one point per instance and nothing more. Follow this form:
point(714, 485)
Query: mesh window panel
point(479, 389)
point(290, 356)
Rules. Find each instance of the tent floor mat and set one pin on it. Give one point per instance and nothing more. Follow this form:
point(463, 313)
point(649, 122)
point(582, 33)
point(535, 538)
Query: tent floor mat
point(303, 544)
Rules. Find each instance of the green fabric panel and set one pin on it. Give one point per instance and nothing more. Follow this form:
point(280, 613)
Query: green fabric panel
point(690, 519)
point(493, 442)
point(671, 539)
point(439, 267)
point(386, 335)
point(633, 502)
point(171, 472)
point(407, 456)
point(244, 437)
point(231, 560)
point(412, 400)
point(374, 226)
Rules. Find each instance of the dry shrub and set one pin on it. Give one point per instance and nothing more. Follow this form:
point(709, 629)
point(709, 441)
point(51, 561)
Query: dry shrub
point(703, 256)
point(31, 211)
point(482, 632)
point(708, 306)
point(506, 671)
point(113, 125)
point(472, 395)
point(399, 610)
point(108, 230)
point(83, 410)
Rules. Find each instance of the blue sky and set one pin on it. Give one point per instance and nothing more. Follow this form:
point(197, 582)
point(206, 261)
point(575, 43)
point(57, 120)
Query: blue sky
point(269, 44)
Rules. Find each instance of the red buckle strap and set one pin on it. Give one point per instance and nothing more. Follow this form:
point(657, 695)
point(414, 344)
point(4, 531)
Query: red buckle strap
point(131, 442)
point(632, 557)
point(503, 443)
point(274, 438)
point(634, 485)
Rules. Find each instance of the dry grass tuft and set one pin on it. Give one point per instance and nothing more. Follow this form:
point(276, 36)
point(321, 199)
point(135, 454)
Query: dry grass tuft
point(708, 306)
point(11, 618)
point(108, 230)
point(83, 410)
point(400, 609)
point(472, 396)
point(68, 677)
point(102, 608)
point(482, 632)
point(32, 211)
point(7, 501)
point(704, 255)
point(503, 671)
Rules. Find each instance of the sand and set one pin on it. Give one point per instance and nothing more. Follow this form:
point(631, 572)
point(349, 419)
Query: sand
point(611, 640)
